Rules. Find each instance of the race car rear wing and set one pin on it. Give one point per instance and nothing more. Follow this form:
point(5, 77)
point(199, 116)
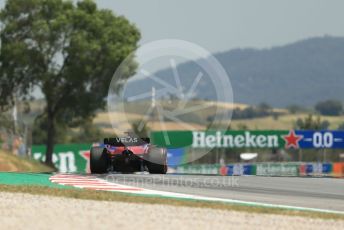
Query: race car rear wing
point(126, 141)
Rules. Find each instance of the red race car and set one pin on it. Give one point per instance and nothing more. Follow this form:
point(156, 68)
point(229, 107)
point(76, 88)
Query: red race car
point(128, 154)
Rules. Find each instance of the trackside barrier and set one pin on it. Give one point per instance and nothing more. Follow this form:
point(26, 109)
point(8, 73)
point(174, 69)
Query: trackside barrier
point(75, 158)
point(207, 169)
point(338, 169)
point(316, 169)
point(66, 158)
point(240, 169)
point(267, 169)
point(277, 169)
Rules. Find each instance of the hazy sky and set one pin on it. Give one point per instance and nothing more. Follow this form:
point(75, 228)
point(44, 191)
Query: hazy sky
point(220, 25)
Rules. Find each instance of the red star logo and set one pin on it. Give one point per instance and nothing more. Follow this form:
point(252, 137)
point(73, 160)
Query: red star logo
point(86, 155)
point(292, 140)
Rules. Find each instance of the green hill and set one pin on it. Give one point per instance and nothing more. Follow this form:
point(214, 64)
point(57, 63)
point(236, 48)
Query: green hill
point(301, 73)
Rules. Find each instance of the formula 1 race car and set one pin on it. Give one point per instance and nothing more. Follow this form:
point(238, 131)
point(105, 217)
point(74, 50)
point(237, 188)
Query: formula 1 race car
point(128, 155)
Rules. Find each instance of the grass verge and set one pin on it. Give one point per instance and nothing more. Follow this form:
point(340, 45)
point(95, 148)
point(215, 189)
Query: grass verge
point(123, 197)
point(12, 163)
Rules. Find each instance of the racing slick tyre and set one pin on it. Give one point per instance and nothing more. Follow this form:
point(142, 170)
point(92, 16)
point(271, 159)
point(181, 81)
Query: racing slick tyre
point(157, 161)
point(98, 160)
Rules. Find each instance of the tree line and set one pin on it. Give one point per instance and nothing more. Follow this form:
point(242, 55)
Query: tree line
point(68, 51)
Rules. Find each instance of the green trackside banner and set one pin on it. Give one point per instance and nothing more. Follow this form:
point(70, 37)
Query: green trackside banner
point(221, 139)
point(297, 139)
point(66, 157)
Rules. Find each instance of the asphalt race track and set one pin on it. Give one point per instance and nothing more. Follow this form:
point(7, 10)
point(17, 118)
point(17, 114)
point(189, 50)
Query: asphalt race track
point(321, 193)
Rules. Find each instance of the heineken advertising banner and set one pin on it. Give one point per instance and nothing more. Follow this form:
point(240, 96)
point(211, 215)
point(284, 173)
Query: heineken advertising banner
point(277, 169)
point(67, 158)
point(250, 139)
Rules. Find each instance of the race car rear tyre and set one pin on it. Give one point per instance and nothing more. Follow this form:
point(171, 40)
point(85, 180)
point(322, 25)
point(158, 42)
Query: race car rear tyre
point(157, 168)
point(98, 160)
point(157, 161)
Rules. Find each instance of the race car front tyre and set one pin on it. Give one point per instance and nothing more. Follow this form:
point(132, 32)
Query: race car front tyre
point(98, 160)
point(157, 161)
